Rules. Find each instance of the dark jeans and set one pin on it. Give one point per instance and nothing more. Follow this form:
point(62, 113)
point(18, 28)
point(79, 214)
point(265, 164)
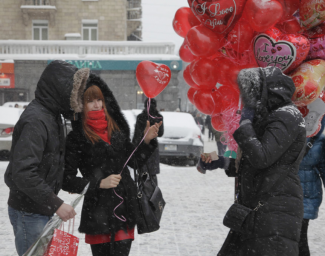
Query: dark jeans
point(121, 248)
point(221, 148)
point(303, 243)
point(27, 227)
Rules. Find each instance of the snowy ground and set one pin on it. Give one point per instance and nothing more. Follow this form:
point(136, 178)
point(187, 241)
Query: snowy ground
point(192, 220)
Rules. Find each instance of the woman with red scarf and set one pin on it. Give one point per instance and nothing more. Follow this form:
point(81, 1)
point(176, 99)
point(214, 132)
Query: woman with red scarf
point(99, 146)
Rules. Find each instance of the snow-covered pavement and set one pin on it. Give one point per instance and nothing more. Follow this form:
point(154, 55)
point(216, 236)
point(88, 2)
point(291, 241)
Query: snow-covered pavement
point(192, 219)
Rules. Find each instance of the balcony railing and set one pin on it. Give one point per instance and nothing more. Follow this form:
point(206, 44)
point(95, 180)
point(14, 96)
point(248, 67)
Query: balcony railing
point(81, 48)
point(134, 4)
point(38, 2)
point(134, 14)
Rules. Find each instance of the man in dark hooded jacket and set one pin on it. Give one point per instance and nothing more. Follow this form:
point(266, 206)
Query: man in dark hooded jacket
point(152, 165)
point(35, 171)
point(271, 140)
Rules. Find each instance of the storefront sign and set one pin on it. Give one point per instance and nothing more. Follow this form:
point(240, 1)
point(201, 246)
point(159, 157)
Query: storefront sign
point(7, 74)
point(119, 64)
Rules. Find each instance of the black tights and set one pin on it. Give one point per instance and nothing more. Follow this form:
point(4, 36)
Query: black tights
point(121, 248)
point(303, 243)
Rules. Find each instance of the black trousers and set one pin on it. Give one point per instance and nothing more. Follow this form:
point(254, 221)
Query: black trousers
point(121, 248)
point(303, 243)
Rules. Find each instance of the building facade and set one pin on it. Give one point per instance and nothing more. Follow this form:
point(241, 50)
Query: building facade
point(105, 20)
point(86, 33)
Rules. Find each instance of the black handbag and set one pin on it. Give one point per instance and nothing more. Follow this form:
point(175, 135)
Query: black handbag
point(151, 203)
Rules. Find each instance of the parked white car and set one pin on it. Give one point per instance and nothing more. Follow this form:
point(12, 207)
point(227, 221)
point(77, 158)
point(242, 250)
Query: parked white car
point(9, 116)
point(182, 137)
point(131, 119)
point(11, 104)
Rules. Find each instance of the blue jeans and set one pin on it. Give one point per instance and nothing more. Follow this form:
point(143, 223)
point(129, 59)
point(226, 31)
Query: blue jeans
point(27, 227)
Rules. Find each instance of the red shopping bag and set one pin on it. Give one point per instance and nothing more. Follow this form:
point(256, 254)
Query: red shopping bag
point(63, 243)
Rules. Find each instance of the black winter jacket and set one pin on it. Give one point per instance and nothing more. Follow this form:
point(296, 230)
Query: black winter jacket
point(152, 165)
point(271, 146)
point(35, 171)
point(98, 161)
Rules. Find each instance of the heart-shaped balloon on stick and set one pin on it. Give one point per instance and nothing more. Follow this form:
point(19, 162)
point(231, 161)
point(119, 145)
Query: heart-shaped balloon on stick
point(285, 51)
point(152, 77)
point(217, 15)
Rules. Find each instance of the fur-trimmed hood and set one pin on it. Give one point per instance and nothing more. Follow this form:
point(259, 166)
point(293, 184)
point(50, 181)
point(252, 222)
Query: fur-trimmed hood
point(112, 106)
point(267, 86)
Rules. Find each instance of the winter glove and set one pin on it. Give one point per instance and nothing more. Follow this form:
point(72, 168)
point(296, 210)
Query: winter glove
point(247, 115)
point(222, 162)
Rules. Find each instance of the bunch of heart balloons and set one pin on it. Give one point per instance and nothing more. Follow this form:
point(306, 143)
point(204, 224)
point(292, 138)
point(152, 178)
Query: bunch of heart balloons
point(222, 37)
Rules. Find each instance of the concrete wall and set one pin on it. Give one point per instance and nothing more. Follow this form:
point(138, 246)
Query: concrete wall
point(122, 83)
point(111, 16)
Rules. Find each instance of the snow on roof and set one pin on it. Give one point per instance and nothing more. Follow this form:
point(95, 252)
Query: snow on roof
point(89, 57)
point(6, 61)
point(38, 7)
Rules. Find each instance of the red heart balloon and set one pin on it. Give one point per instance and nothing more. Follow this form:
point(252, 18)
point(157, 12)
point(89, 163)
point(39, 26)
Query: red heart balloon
point(230, 97)
point(217, 123)
point(190, 95)
point(204, 72)
point(152, 77)
point(203, 42)
point(188, 78)
point(289, 8)
point(229, 69)
point(218, 15)
point(184, 19)
point(241, 37)
point(204, 102)
point(289, 27)
point(262, 14)
point(285, 51)
point(185, 53)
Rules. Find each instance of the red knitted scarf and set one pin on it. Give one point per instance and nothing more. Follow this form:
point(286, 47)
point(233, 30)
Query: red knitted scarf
point(98, 123)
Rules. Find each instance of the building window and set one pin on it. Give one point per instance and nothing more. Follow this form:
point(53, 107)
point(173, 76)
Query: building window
point(40, 29)
point(90, 30)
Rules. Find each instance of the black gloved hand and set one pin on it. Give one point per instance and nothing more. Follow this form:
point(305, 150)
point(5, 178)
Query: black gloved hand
point(247, 114)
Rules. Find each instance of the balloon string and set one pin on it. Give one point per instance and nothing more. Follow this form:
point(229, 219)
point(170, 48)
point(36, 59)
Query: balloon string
point(148, 107)
point(122, 218)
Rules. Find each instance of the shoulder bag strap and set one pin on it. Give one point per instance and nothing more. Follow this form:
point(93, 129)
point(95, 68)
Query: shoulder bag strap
point(309, 145)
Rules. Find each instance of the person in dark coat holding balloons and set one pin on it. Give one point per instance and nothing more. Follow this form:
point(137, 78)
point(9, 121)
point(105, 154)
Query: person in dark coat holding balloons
point(267, 218)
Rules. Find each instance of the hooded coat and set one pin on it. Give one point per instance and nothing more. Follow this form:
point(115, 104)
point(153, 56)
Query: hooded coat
point(96, 162)
point(35, 171)
point(152, 165)
point(272, 147)
point(312, 175)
